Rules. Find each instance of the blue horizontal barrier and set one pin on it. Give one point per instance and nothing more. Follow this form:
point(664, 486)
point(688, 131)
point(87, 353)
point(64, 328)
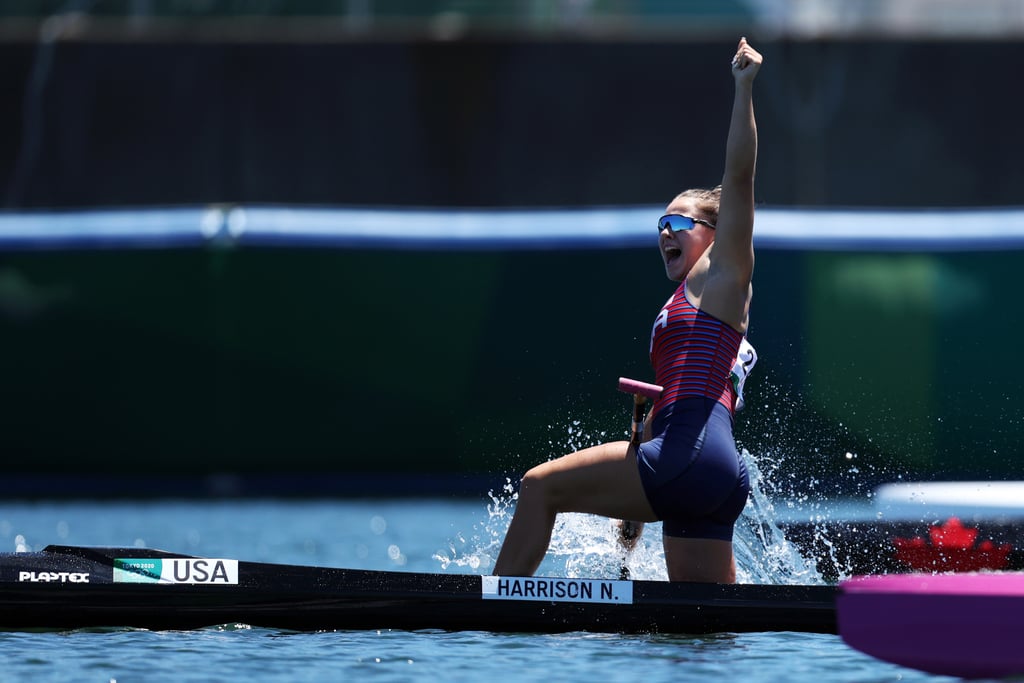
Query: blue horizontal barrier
point(115, 228)
point(965, 229)
point(962, 229)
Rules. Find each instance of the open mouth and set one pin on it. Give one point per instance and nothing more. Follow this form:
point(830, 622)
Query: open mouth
point(671, 254)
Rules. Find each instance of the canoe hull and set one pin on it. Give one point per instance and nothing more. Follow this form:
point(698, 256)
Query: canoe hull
point(68, 588)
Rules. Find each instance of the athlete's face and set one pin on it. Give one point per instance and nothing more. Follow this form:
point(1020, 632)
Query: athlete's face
point(680, 250)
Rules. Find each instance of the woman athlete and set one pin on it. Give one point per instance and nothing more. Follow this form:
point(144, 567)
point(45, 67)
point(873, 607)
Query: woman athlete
point(687, 473)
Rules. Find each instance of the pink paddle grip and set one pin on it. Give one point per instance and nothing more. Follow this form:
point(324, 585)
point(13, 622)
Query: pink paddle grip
point(632, 386)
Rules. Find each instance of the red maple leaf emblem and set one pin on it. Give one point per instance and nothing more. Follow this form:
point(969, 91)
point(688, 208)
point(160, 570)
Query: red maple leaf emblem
point(952, 549)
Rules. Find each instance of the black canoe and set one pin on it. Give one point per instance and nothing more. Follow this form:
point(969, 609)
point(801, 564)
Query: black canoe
point(65, 587)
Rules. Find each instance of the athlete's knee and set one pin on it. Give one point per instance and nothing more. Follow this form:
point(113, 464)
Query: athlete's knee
point(533, 482)
point(535, 488)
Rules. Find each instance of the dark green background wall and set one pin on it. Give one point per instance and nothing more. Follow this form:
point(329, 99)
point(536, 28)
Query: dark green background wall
point(345, 361)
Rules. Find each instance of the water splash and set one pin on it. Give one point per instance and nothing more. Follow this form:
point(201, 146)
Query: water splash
point(763, 554)
point(587, 545)
point(582, 546)
point(479, 551)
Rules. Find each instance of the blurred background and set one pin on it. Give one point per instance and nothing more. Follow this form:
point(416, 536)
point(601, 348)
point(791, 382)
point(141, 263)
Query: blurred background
point(341, 247)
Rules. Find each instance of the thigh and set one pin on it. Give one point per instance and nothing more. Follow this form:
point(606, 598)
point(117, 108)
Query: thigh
point(601, 480)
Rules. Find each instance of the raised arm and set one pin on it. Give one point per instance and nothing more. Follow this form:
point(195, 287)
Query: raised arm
point(734, 236)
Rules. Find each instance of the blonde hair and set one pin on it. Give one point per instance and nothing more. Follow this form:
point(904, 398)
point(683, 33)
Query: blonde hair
point(707, 202)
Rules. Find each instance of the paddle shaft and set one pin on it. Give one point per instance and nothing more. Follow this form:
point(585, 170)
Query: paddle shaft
point(629, 532)
point(636, 427)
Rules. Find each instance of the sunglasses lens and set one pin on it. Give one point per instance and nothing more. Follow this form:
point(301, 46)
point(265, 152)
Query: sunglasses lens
point(675, 223)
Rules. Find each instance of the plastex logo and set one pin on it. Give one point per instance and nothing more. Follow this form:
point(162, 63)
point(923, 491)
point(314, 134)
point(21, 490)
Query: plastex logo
point(54, 577)
point(176, 570)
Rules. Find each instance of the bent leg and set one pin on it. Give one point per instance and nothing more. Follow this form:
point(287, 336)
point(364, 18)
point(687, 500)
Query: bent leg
point(600, 480)
point(699, 559)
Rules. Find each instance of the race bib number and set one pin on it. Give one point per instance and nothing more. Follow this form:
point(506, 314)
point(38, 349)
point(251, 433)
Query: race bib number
point(746, 357)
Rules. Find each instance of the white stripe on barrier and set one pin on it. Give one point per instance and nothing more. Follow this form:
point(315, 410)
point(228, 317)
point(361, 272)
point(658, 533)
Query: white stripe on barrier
point(956, 229)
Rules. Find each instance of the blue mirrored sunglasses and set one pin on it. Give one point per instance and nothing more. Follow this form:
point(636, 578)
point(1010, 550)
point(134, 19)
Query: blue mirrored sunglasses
point(676, 223)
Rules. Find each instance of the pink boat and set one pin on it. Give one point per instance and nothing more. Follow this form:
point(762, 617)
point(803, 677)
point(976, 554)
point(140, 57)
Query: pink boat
point(969, 625)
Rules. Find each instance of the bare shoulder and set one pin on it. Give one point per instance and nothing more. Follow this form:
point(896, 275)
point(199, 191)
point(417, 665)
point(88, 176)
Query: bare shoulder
point(721, 291)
